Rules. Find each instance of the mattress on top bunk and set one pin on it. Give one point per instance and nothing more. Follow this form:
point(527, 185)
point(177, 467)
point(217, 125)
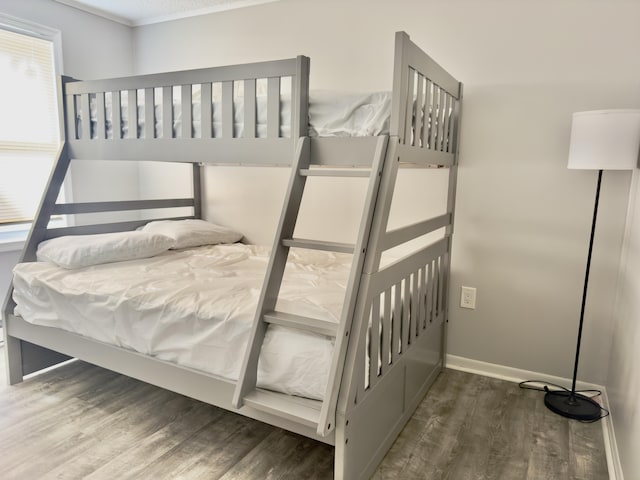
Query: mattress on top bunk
point(331, 114)
point(195, 307)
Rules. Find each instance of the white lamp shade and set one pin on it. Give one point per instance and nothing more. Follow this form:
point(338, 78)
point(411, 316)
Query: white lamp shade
point(605, 140)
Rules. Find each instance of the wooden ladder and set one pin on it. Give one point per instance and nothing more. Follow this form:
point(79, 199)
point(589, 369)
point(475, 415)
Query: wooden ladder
point(315, 414)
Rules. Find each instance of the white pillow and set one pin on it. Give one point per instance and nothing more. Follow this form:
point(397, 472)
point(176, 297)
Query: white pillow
point(77, 251)
point(193, 233)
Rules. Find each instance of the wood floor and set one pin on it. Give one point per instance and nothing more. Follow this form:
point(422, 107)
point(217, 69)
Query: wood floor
point(81, 421)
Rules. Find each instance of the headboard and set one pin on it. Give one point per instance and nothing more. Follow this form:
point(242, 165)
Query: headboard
point(425, 103)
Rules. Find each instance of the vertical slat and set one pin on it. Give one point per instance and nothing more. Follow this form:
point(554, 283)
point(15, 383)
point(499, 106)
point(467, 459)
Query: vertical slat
point(434, 117)
point(86, 116)
point(185, 108)
point(374, 345)
point(441, 270)
point(441, 113)
point(273, 107)
point(116, 114)
point(72, 118)
point(435, 286)
point(250, 108)
point(423, 297)
point(386, 332)
point(408, 124)
point(396, 338)
point(427, 115)
point(227, 109)
point(434, 275)
point(450, 121)
point(415, 306)
point(101, 128)
point(445, 120)
point(206, 110)
point(363, 382)
point(429, 302)
point(445, 280)
point(406, 314)
point(417, 131)
point(167, 112)
point(149, 114)
point(133, 113)
point(197, 190)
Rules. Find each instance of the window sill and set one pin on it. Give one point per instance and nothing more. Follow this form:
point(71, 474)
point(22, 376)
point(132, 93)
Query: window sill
point(12, 241)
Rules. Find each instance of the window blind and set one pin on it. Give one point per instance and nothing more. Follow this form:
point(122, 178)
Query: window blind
point(29, 129)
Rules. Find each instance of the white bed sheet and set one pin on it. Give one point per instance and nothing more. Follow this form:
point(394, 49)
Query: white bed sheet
point(194, 307)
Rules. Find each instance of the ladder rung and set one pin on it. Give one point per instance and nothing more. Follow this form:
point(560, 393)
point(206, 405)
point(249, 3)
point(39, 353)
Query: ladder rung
point(334, 172)
point(300, 322)
point(319, 245)
point(298, 409)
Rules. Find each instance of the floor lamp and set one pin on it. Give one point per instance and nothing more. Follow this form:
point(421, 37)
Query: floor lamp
point(600, 140)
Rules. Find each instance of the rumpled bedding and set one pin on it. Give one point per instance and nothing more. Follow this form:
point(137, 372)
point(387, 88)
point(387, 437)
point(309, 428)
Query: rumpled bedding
point(194, 307)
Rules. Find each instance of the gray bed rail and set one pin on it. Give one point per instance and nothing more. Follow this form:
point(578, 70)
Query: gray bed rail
point(154, 116)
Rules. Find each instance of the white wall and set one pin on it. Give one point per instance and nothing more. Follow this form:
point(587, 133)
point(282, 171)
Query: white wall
point(523, 219)
point(92, 48)
point(623, 383)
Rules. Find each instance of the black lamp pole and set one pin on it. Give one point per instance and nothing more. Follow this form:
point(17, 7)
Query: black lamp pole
point(571, 404)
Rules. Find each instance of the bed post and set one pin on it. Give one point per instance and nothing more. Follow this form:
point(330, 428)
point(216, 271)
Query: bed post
point(451, 207)
point(300, 113)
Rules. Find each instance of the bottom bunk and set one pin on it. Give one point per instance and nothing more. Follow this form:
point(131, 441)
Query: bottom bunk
point(194, 307)
point(180, 320)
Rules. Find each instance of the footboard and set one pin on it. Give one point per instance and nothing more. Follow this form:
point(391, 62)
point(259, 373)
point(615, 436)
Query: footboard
point(398, 335)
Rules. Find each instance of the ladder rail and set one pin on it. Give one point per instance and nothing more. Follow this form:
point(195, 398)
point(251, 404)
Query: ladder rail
point(265, 315)
point(275, 271)
point(327, 419)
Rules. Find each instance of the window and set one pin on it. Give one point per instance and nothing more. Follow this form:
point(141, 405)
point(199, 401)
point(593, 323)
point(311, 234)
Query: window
point(29, 125)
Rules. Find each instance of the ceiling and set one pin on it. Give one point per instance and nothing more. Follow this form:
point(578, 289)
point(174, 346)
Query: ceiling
point(143, 12)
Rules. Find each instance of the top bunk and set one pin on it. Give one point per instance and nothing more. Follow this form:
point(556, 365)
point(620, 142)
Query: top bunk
point(255, 114)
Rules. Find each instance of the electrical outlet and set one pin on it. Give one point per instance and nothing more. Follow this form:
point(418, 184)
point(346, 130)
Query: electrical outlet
point(468, 297)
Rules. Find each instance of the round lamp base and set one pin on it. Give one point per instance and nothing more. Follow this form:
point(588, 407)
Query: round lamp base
point(573, 405)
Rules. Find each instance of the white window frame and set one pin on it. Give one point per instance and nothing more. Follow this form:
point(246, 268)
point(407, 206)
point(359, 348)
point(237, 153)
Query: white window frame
point(12, 237)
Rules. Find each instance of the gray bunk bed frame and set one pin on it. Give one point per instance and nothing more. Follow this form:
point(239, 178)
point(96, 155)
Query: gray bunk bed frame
point(390, 342)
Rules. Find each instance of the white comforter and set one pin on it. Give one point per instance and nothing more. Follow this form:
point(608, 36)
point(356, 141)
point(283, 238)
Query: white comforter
point(195, 307)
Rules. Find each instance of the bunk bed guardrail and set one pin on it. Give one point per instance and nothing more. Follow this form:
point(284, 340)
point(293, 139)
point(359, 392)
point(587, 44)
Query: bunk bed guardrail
point(134, 118)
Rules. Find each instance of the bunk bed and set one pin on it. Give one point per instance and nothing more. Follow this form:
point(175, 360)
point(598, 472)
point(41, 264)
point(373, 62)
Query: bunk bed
point(388, 334)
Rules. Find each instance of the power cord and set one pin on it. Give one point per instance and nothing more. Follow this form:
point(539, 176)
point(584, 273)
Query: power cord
point(541, 386)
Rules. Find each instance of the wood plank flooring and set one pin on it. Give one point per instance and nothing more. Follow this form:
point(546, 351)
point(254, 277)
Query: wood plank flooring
point(81, 421)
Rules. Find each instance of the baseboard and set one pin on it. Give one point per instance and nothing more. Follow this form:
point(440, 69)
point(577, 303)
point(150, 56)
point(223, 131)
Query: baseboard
point(610, 443)
point(517, 375)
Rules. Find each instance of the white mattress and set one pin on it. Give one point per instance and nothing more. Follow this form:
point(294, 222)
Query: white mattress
point(331, 114)
point(195, 307)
